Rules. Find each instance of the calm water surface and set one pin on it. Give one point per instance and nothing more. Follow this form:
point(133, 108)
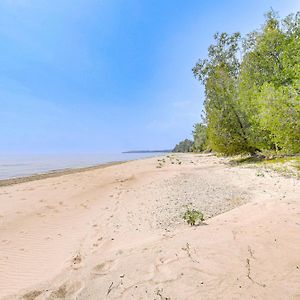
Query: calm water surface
point(12, 166)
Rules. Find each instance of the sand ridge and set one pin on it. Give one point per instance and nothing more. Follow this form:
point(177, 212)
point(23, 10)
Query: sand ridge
point(117, 233)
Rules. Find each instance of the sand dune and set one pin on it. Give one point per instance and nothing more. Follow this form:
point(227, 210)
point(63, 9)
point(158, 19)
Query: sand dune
point(118, 233)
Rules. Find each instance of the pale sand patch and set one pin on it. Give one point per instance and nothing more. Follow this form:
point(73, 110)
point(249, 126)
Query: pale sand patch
point(117, 233)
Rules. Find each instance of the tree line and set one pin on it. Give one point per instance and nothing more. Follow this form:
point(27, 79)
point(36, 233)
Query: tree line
point(252, 90)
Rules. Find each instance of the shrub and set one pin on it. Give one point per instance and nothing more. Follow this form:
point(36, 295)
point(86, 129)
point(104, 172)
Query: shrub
point(193, 217)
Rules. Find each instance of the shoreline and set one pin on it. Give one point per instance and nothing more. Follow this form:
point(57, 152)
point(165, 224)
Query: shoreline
point(56, 173)
point(121, 229)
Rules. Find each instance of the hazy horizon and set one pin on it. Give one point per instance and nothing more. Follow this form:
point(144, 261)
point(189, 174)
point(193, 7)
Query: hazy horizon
point(22, 165)
point(109, 76)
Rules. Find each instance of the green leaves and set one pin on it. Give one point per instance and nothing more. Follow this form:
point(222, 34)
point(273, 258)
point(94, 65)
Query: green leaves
point(279, 110)
point(252, 103)
point(184, 146)
point(221, 55)
point(199, 134)
point(193, 217)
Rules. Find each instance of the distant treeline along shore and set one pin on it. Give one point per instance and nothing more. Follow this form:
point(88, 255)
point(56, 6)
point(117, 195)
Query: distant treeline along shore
point(148, 151)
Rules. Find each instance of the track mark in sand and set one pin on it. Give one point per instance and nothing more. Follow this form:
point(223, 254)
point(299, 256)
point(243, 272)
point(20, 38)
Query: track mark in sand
point(159, 292)
point(188, 251)
point(251, 252)
point(84, 205)
point(163, 272)
point(103, 268)
point(110, 288)
point(234, 233)
point(66, 290)
point(77, 261)
point(32, 295)
point(249, 274)
point(121, 180)
point(5, 242)
point(61, 292)
point(50, 207)
point(39, 214)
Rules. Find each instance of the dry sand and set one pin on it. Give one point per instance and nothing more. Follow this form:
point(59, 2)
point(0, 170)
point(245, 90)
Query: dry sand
point(117, 233)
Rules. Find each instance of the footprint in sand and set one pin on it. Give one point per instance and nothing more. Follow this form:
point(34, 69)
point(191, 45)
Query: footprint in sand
point(49, 207)
point(77, 261)
point(84, 205)
point(40, 214)
point(103, 268)
point(32, 295)
point(67, 291)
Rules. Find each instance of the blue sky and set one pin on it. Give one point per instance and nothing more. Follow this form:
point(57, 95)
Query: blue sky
point(109, 75)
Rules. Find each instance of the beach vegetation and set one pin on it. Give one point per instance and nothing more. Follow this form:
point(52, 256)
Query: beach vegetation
point(184, 146)
point(199, 134)
point(260, 173)
point(193, 217)
point(252, 90)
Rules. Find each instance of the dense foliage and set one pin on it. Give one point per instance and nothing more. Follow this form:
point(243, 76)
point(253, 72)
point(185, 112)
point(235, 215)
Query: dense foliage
point(252, 90)
point(199, 134)
point(184, 146)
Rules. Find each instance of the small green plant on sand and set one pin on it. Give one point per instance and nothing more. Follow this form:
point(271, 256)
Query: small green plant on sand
point(260, 173)
point(193, 217)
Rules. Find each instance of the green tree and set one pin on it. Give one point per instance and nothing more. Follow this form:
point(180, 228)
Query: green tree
point(184, 146)
point(253, 103)
point(199, 134)
point(267, 93)
point(219, 74)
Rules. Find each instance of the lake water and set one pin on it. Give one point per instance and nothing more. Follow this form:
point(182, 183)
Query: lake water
point(13, 166)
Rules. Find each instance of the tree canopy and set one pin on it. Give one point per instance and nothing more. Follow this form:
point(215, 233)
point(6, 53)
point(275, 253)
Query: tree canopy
point(184, 146)
point(252, 89)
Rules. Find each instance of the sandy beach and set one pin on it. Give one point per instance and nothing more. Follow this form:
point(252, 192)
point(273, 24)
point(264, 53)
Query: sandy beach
point(118, 233)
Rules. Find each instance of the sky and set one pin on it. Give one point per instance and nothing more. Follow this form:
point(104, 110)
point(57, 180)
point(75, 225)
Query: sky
point(100, 76)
